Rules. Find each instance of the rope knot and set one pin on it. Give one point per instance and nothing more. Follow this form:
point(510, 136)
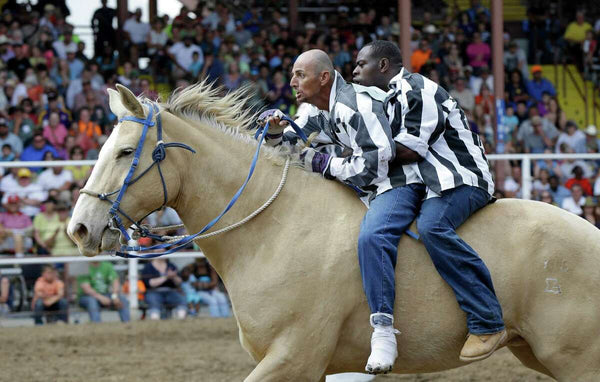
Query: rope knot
point(159, 153)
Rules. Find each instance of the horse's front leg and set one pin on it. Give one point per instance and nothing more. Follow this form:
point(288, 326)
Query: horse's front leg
point(295, 359)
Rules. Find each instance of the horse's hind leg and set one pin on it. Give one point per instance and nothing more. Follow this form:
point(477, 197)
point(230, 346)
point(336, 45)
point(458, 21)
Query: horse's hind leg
point(524, 353)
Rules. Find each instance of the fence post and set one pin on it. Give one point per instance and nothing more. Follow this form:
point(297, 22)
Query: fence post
point(526, 178)
point(133, 289)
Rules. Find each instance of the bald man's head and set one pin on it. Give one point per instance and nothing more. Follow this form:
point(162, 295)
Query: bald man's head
point(312, 78)
point(317, 60)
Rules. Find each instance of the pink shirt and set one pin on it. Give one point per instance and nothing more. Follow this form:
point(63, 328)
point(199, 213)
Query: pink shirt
point(15, 221)
point(473, 50)
point(56, 137)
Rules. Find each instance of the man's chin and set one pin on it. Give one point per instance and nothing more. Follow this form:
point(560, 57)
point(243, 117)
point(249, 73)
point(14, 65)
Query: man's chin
point(356, 80)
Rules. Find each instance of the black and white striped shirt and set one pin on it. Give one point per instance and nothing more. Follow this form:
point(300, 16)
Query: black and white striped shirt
point(430, 122)
point(356, 124)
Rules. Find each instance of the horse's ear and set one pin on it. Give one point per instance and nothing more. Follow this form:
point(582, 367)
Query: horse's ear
point(130, 102)
point(116, 106)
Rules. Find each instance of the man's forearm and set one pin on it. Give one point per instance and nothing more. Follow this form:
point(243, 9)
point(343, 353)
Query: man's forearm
point(404, 155)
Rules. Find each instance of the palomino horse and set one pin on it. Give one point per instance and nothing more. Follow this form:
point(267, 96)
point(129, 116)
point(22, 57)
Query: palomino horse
point(292, 272)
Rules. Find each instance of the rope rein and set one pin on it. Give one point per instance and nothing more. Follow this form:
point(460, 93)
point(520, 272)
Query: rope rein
point(235, 225)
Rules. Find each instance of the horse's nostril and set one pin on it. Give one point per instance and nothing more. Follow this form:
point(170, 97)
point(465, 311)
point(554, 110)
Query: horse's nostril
point(80, 231)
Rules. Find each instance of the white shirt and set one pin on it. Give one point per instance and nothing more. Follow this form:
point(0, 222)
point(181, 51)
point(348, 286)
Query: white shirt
point(61, 48)
point(32, 191)
point(138, 31)
point(476, 82)
point(575, 207)
point(183, 54)
point(48, 180)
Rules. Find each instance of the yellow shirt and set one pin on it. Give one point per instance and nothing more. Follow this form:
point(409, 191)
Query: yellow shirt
point(576, 32)
point(63, 245)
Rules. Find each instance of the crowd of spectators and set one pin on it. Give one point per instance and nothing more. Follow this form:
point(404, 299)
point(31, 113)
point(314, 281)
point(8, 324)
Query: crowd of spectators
point(54, 105)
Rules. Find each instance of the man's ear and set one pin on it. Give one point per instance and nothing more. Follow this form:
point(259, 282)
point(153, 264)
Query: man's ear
point(325, 77)
point(384, 65)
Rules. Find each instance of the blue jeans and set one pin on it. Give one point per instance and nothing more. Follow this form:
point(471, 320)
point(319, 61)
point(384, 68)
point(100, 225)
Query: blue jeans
point(389, 216)
point(92, 305)
point(59, 309)
point(218, 304)
point(457, 263)
point(164, 298)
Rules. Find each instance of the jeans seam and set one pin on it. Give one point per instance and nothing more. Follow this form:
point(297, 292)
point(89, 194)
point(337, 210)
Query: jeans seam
point(382, 253)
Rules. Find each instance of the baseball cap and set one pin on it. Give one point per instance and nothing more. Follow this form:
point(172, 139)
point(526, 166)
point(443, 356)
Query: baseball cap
point(3, 122)
point(24, 173)
point(536, 68)
point(13, 199)
point(52, 96)
point(536, 120)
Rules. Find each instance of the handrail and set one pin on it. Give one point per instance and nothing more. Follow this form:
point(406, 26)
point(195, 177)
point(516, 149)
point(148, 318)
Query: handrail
point(595, 105)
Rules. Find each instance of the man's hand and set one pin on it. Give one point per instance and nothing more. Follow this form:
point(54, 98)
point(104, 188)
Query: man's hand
point(315, 161)
point(105, 301)
point(116, 301)
point(273, 116)
point(171, 274)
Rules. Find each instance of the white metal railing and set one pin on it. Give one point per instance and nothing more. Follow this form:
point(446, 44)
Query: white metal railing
point(132, 274)
point(526, 165)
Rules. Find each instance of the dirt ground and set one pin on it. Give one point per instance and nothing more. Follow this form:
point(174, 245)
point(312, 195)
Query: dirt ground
point(203, 349)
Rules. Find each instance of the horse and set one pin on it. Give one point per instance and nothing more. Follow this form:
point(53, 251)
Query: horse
point(292, 272)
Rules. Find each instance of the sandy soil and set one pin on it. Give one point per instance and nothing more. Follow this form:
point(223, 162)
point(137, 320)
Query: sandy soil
point(204, 350)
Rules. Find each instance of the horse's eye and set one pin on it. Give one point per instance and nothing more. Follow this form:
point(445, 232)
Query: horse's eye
point(125, 152)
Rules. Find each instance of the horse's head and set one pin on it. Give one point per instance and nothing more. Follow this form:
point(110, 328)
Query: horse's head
point(94, 224)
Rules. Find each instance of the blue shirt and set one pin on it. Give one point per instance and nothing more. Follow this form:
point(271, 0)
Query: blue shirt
point(32, 154)
point(560, 194)
point(75, 69)
point(537, 89)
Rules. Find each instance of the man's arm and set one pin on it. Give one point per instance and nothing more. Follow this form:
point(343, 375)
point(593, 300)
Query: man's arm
point(371, 146)
point(404, 155)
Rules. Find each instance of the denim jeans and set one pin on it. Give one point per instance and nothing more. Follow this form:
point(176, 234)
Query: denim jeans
point(389, 216)
point(59, 309)
point(457, 263)
point(92, 305)
point(164, 298)
point(218, 304)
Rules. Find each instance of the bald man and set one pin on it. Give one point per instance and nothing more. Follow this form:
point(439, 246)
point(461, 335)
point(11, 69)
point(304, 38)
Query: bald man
point(356, 147)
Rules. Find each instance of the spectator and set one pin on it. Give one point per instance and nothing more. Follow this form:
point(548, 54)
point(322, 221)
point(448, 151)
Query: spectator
point(486, 100)
point(542, 183)
point(136, 31)
point(233, 79)
point(21, 124)
point(463, 95)
point(80, 173)
point(15, 228)
point(515, 59)
point(420, 56)
point(162, 281)
point(511, 124)
point(20, 62)
point(191, 294)
point(537, 135)
point(592, 142)
point(589, 209)
point(49, 296)
point(516, 89)
point(205, 280)
point(479, 53)
point(102, 25)
point(280, 94)
point(157, 38)
point(56, 133)
point(512, 183)
point(558, 192)
point(88, 131)
point(579, 180)
point(567, 166)
point(56, 179)
point(181, 54)
point(100, 288)
point(576, 30)
point(7, 153)
point(475, 83)
point(573, 137)
point(90, 97)
point(62, 46)
point(59, 242)
point(6, 137)
point(54, 105)
point(37, 149)
point(6, 295)
point(546, 197)
point(574, 202)
point(30, 193)
point(539, 85)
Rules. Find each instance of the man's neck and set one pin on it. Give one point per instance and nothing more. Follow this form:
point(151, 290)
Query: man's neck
point(322, 99)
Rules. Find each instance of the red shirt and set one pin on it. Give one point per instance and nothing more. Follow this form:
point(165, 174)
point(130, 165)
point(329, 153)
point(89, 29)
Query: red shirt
point(15, 221)
point(583, 182)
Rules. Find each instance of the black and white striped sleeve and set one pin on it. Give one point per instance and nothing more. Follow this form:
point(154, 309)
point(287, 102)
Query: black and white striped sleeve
point(371, 143)
point(422, 119)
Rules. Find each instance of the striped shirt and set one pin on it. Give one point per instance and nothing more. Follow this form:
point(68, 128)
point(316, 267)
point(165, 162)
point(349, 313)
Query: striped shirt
point(356, 132)
point(431, 123)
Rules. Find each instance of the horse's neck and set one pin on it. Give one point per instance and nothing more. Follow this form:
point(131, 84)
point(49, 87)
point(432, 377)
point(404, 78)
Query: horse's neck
point(210, 180)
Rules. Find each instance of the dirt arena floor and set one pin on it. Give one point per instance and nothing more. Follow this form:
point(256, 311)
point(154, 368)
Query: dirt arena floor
point(202, 349)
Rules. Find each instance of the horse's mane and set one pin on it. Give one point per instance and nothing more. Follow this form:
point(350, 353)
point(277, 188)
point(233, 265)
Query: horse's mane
point(231, 112)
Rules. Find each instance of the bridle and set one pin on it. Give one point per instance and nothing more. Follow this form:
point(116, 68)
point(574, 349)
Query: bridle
point(158, 155)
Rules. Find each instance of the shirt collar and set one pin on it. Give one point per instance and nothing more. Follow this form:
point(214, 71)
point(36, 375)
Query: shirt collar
point(333, 92)
point(395, 82)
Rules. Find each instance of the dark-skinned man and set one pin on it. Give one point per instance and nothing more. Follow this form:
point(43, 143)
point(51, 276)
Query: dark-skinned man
point(356, 147)
point(432, 133)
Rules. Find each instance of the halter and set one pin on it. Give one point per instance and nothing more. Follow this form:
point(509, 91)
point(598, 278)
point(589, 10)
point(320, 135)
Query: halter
point(158, 155)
